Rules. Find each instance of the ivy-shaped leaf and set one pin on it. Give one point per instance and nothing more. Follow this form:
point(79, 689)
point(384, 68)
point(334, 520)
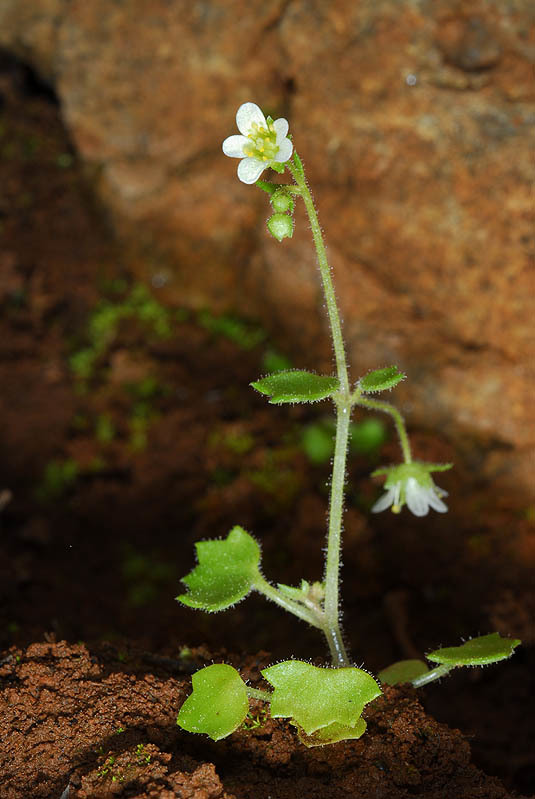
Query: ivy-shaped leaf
point(476, 652)
point(403, 671)
point(225, 574)
point(381, 379)
point(218, 704)
point(315, 698)
point(296, 385)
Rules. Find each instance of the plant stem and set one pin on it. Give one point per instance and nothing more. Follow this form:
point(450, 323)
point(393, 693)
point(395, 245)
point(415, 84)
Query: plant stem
point(432, 675)
point(258, 693)
point(332, 628)
point(377, 405)
point(325, 271)
point(263, 587)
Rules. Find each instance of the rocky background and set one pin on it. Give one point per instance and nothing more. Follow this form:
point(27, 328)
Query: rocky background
point(414, 121)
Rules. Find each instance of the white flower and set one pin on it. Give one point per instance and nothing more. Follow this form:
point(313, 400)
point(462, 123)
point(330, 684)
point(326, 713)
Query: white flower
point(411, 484)
point(262, 142)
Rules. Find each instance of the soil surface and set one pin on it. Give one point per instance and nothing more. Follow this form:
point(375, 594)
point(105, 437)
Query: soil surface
point(127, 433)
point(103, 728)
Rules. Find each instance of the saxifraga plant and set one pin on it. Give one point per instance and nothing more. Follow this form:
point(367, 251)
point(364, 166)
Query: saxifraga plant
point(324, 704)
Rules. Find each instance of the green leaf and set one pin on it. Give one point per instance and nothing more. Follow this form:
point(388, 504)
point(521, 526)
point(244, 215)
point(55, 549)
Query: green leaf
point(296, 385)
point(315, 698)
point(332, 734)
point(266, 186)
point(225, 574)
point(218, 704)
point(381, 379)
point(476, 652)
point(403, 671)
point(298, 163)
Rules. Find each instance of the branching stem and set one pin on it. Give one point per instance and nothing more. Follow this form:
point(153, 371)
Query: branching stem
point(270, 592)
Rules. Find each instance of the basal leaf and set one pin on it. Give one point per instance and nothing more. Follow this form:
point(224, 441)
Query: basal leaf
point(225, 573)
point(332, 734)
point(381, 379)
point(476, 652)
point(315, 698)
point(218, 704)
point(403, 671)
point(296, 385)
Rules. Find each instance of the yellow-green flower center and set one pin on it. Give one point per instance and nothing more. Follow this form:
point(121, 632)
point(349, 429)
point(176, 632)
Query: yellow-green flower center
point(263, 142)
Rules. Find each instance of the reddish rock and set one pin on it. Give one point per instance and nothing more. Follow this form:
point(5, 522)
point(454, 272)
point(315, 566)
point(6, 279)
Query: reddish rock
point(414, 123)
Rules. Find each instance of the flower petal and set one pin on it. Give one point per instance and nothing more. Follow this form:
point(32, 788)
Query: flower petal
point(281, 129)
point(285, 151)
point(233, 146)
point(385, 501)
point(246, 115)
point(436, 503)
point(417, 497)
point(250, 169)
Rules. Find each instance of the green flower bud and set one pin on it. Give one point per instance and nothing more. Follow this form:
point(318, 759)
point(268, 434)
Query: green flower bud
point(282, 201)
point(281, 226)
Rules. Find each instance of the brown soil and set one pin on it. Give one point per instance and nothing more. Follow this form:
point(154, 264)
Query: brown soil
point(104, 728)
point(169, 445)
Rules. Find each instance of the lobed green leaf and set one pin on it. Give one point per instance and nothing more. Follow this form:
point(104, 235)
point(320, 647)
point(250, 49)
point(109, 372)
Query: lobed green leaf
point(225, 573)
point(476, 652)
point(381, 379)
point(218, 704)
point(296, 385)
point(403, 671)
point(315, 698)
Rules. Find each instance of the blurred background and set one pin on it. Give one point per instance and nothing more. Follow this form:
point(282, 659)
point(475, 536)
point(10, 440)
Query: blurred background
point(140, 294)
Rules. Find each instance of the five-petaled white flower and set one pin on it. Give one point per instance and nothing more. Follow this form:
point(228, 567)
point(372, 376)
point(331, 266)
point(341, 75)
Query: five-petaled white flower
point(262, 142)
point(412, 484)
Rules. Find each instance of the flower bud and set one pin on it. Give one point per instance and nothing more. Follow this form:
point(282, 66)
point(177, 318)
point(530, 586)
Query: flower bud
point(282, 201)
point(281, 226)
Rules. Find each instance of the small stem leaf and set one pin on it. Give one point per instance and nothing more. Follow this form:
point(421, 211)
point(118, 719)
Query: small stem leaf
point(218, 704)
point(315, 698)
point(381, 379)
point(311, 595)
point(332, 734)
point(296, 385)
point(295, 593)
point(476, 652)
point(266, 186)
point(298, 163)
point(225, 573)
point(403, 671)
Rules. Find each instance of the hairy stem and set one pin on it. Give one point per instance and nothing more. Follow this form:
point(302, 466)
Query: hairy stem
point(432, 675)
point(325, 271)
point(332, 628)
point(258, 693)
point(385, 407)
